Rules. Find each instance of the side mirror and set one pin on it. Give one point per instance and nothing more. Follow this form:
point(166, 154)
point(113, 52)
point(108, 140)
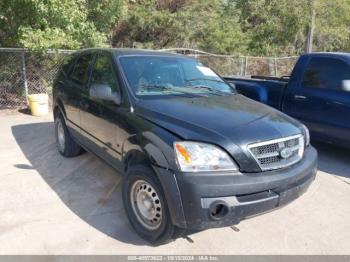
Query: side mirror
point(104, 92)
point(346, 85)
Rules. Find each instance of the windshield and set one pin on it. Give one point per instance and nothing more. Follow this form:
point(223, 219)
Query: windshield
point(153, 75)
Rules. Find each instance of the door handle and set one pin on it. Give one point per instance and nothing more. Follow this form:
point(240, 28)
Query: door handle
point(300, 97)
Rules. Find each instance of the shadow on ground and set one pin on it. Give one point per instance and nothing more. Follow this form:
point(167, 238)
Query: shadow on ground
point(88, 186)
point(333, 160)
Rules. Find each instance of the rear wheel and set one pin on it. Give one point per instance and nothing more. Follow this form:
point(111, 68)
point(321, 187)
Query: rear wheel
point(65, 143)
point(146, 206)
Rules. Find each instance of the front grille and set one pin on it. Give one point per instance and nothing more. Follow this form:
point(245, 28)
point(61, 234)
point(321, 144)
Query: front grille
point(278, 153)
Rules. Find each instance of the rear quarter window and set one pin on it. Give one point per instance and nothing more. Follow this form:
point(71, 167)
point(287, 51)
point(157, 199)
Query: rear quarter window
point(66, 64)
point(80, 72)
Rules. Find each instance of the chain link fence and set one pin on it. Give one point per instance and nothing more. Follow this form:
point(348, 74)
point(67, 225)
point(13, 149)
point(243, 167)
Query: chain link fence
point(228, 65)
point(23, 73)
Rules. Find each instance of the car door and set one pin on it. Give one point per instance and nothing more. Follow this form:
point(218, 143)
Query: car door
point(76, 87)
point(99, 118)
point(320, 101)
point(339, 116)
point(337, 101)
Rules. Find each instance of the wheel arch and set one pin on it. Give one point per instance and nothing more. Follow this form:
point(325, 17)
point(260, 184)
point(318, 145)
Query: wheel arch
point(147, 152)
point(59, 109)
point(142, 151)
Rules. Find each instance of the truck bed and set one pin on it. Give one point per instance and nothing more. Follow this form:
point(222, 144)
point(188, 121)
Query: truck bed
point(268, 90)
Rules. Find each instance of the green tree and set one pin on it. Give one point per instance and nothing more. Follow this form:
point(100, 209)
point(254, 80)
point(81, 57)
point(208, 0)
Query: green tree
point(207, 24)
point(216, 29)
point(332, 29)
point(280, 27)
point(274, 27)
point(40, 25)
point(248, 27)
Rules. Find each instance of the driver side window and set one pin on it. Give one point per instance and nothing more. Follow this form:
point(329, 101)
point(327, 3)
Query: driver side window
point(103, 73)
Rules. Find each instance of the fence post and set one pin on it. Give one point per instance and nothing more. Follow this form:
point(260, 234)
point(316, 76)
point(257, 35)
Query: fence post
point(275, 61)
point(241, 69)
point(246, 66)
point(24, 75)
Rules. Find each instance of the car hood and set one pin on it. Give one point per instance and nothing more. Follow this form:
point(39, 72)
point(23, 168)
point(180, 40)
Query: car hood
point(231, 122)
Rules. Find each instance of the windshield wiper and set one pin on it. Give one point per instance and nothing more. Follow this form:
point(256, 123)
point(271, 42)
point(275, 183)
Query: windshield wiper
point(158, 87)
point(214, 90)
point(150, 87)
point(197, 79)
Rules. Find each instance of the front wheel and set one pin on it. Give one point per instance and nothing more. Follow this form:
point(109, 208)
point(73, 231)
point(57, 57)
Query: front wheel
point(146, 206)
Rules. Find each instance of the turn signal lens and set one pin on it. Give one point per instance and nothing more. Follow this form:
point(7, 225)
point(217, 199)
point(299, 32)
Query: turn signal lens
point(183, 153)
point(195, 157)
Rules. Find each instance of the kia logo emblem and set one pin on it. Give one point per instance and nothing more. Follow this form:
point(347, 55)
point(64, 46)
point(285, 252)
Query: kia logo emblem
point(286, 153)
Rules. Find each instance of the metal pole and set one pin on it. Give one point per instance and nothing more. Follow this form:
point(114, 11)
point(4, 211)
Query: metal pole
point(241, 71)
point(246, 66)
point(24, 75)
point(275, 61)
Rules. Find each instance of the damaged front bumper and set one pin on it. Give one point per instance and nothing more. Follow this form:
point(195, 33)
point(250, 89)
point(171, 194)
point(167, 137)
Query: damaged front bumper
point(222, 199)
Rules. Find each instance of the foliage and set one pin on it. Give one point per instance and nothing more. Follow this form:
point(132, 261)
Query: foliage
point(104, 14)
point(274, 26)
point(247, 27)
point(250, 27)
point(280, 27)
point(207, 24)
point(332, 25)
point(39, 25)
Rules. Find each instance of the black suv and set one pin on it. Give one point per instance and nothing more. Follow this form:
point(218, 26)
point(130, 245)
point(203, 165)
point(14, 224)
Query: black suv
point(193, 152)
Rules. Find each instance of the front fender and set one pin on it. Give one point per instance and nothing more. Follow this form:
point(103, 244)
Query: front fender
point(145, 149)
point(150, 148)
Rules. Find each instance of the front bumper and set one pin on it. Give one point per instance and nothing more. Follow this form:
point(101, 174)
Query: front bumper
point(241, 194)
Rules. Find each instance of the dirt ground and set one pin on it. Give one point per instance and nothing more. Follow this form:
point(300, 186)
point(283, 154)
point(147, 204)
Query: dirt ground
point(53, 205)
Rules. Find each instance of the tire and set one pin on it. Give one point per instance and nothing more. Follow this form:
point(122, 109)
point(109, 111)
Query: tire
point(64, 142)
point(156, 233)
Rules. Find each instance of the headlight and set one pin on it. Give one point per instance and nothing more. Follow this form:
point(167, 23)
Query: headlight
point(194, 157)
point(306, 135)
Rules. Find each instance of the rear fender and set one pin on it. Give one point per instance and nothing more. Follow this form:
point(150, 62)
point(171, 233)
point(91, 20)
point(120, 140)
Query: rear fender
point(59, 108)
point(254, 91)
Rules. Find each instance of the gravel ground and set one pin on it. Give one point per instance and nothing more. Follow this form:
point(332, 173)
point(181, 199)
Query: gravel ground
point(53, 205)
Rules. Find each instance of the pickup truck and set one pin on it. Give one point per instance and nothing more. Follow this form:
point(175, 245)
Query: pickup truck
point(194, 154)
point(317, 93)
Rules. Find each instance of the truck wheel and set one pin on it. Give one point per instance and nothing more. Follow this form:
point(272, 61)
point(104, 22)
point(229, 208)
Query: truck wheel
point(146, 206)
point(65, 143)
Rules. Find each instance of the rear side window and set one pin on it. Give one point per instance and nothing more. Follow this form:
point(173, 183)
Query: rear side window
point(66, 64)
point(103, 73)
point(326, 73)
point(80, 73)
